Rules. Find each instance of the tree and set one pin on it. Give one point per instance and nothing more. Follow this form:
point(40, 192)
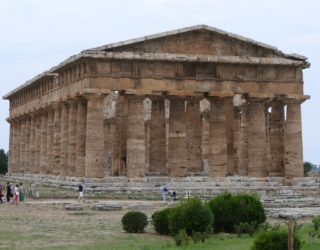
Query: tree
point(308, 166)
point(3, 162)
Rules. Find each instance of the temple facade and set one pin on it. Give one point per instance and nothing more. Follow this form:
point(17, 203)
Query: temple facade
point(196, 101)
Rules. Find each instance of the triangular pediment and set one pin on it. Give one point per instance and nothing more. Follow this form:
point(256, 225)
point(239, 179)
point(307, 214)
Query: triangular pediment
point(196, 40)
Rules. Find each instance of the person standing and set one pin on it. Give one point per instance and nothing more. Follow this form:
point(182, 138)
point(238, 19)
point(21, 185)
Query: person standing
point(164, 191)
point(81, 191)
point(21, 193)
point(16, 195)
point(9, 192)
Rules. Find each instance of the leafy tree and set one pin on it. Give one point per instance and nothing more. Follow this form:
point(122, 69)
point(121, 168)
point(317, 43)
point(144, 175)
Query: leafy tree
point(3, 162)
point(308, 166)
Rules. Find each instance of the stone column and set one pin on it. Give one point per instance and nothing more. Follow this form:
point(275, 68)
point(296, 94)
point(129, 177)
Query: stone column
point(57, 140)
point(205, 141)
point(177, 153)
point(64, 139)
point(108, 135)
point(37, 143)
point(229, 112)
point(43, 147)
point(120, 137)
point(27, 145)
point(276, 166)
point(194, 154)
point(136, 147)
point(257, 146)
point(22, 136)
point(158, 152)
point(16, 146)
point(293, 141)
point(218, 138)
point(72, 137)
point(12, 147)
point(81, 138)
point(50, 132)
point(244, 141)
point(94, 167)
point(236, 138)
point(32, 142)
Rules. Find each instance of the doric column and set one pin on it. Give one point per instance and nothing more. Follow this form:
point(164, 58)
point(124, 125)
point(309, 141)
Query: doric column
point(193, 122)
point(32, 142)
point(257, 146)
point(218, 138)
point(81, 138)
point(136, 147)
point(158, 152)
point(37, 143)
point(12, 147)
point(94, 158)
point(18, 146)
point(22, 136)
point(177, 153)
point(293, 141)
point(120, 137)
point(50, 131)
point(57, 140)
point(205, 141)
point(27, 145)
point(236, 138)
point(229, 112)
point(276, 165)
point(108, 145)
point(72, 137)
point(244, 140)
point(43, 147)
point(64, 139)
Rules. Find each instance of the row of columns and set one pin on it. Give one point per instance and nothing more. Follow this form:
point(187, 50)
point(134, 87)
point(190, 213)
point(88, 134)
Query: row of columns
point(71, 139)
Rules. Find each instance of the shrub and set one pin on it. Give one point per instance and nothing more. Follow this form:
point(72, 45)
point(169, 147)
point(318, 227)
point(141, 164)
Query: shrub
point(274, 239)
point(245, 228)
point(160, 221)
point(192, 216)
point(134, 222)
point(316, 223)
point(182, 238)
point(231, 210)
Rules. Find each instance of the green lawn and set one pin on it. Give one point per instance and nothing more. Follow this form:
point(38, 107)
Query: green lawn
point(50, 227)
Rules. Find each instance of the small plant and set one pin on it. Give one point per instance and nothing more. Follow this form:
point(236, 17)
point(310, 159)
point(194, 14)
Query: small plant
point(160, 221)
point(274, 239)
point(192, 216)
point(316, 223)
point(245, 228)
point(134, 222)
point(182, 238)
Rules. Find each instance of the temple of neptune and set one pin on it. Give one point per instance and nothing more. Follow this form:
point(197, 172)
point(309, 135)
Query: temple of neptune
point(197, 101)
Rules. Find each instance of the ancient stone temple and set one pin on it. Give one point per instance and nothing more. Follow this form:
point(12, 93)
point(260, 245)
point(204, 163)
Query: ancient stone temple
point(196, 101)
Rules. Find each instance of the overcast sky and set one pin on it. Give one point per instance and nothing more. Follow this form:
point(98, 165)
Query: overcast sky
point(38, 34)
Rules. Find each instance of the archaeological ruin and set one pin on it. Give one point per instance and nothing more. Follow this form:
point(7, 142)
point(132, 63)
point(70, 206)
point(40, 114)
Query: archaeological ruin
point(193, 102)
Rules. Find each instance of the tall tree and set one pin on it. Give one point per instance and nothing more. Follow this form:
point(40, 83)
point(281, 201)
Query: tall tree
point(307, 167)
point(3, 162)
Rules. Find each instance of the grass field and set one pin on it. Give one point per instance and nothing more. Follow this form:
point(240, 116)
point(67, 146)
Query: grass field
point(50, 226)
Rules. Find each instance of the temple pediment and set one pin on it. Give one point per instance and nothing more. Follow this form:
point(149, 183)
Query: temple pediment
point(197, 40)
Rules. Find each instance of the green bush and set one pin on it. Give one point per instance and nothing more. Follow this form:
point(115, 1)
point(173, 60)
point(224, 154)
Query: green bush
point(182, 238)
point(192, 216)
point(245, 228)
point(160, 221)
point(134, 222)
point(274, 239)
point(231, 210)
point(316, 223)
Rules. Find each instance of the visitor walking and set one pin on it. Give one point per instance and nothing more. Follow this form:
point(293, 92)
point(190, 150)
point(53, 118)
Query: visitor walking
point(164, 191)
point(9, 192)
point(81, 191)
point(1, 193)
